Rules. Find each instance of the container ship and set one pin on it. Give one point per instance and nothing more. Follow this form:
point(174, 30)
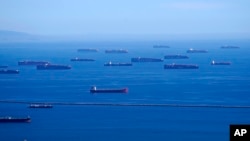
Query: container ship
point(81, 59)
point(180, 66)
point(116, 51)
point(87, 50)
point(4, 71)
point(196, 51)
point(117, 64)
point(177, 56)
point(220, 63)
point(3, 66)
point(95, 90)
point(229, 47)
point(139, 59)
point(32, 63)
point(14, 119)
point(160, 46)
point(53, 67)
point(40, 106)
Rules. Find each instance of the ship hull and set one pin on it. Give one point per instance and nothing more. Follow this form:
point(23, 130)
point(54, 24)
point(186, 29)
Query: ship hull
point(9, 71)
point(32, 63)
point(52, 67)
point(109, 91)
point(181, 67)
point(40, 106)
point(118, 64)
point(146, 60)
point(15, 120)
point(81, 60)
point(175, 57)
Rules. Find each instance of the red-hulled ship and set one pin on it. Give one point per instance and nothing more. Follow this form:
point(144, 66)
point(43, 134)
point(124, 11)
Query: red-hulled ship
point(95, 90)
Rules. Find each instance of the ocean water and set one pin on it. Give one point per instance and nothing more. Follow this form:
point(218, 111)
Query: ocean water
point(148, 83)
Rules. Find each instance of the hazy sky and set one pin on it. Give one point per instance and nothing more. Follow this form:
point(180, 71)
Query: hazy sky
point(139, 17)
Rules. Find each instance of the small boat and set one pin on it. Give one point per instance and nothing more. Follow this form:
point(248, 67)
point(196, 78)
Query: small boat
point(5, 71)
point(8, 119)
point(81, 59)
point(117, 64)
point(220, 63)
point(95, 90)
point(40, 106)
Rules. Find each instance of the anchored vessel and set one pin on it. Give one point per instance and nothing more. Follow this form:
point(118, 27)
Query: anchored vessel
point(160, 46)
point(177, 56)
point(4, 71)
point(220, 63)
point(117, 64)
point(229, 47)
point(180, 66)
point(3, 66)
point(87, 50)
point(32, 63)
point(81, 59)
point(95, 90)
point(139, 59)
point(196, 51)
point(14, 119)
point(40, 106)
point(116, 51)
point(52, 67)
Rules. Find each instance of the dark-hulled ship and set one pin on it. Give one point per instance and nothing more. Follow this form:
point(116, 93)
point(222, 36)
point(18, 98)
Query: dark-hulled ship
point(8, 119)
point(32, 63)
point(220, 63)
point(180, 66)
point(3, 66)
point(116, 51)
point(196, 51)
point(117, 64)
point(53, 67)
point(177, 56)
point(229, 47)
point(95, 90)
point(160, 46)
point(5, 71)
point(81, 59)
point(141, 59)
point(40, 106)
point(87, 50)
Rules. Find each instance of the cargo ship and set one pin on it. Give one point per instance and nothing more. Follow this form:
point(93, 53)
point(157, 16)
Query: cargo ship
point(53, 67)
point(160, 46)
point(177, 56)
point(14, 119)
point(220, 63)
point(95, 90)
point(32, 63)
point(139, 59)
point(3, 66)
point(117, 64)
point(40, 106)
point(81, 59)
point(116, 51)
point(196, 51)
point(229, 47)
point(87, 50)
point(180, 66)
point(4, 71)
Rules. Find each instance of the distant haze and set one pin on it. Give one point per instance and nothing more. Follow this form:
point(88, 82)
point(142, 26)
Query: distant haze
point(127, 18)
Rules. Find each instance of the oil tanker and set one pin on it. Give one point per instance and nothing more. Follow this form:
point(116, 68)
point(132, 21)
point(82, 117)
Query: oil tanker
point(196, 51)
point(53, 67)
point(4, 71)
point(40, 106)
point(220, 63)
point(139, 59)
point(14, 119)
point(95, 90)
point(117, 64)
point(81, 59)
point(180, 66)
point(177, 56)
point(160, 46)
point(87, 50)
point(229, 47)
point(116, 51)
point(32, 63)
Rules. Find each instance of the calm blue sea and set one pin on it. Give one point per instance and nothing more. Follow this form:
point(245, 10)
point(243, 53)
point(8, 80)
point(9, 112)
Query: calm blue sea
point(148, 83)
